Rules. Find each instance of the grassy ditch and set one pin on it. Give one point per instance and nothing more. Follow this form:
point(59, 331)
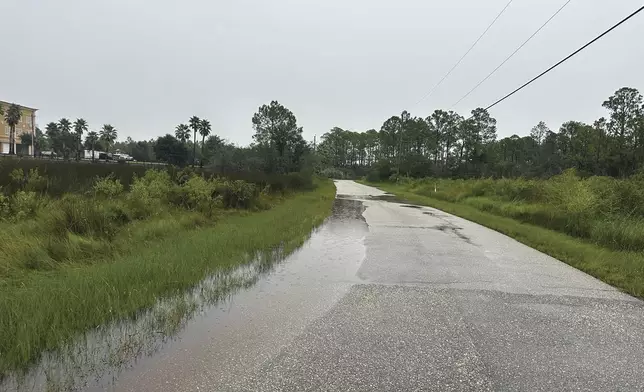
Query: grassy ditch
point(77, 262)
point(569, 227)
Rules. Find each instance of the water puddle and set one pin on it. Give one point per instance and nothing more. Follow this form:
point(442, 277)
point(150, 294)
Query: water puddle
point(457, 231)
point(216, 315)
point(388, 197)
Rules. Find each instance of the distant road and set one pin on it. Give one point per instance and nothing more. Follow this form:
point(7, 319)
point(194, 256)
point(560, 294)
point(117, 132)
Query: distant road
point(392, 297)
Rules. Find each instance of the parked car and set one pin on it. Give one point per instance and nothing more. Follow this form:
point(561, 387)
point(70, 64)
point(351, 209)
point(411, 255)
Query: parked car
point(121, 156)
point(105, 156)
point(48, 154)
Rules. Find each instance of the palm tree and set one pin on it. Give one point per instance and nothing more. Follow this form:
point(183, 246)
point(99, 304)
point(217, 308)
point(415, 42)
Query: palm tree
point(80, 126)
point(195, 124)
point(108, 135)
point(65, 128)
point(64, 125)
point(182, 132)
point(53, 133)
point(12, 117)
point(92, 139)
point(204, 130)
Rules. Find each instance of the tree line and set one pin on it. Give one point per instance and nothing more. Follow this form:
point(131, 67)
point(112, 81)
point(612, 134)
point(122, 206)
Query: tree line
point(278, 145)
point(446, 144)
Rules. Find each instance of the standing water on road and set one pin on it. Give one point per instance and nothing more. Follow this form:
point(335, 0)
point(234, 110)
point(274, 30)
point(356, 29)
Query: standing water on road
point(211, 319)
point(392, 298)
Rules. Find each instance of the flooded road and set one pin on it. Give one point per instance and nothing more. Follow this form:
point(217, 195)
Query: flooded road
point(390, 296)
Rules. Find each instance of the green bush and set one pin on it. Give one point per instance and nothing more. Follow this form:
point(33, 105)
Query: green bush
point(195, 193)
point(36, 182)
point(24, 205)
point(150, 193)
point(373, 176)
point(5, 206)
point(83, 216)
point(299, 181)
point(17, 176)
point(108, 187)
point(237, 194)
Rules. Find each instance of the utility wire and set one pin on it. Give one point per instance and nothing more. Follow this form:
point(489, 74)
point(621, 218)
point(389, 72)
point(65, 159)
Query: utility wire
point(465, 55)
point(566, 58)
point(513, 53)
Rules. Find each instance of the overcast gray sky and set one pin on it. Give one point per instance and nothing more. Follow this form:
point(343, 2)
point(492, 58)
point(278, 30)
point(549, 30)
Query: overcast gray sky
point(146, 65)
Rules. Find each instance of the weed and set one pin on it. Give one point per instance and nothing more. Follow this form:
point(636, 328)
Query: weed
point(91, 262)
point(564, 220)
point(108, 187)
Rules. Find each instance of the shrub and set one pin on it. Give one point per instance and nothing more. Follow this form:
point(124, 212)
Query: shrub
point(196, 193)
point(148, 194)
point(373, 176)
point(154, 183)
point(83, 216)
point(108, 187)
point(36, 182)
point(237, 194)
point(24, 204)
point(17, 176)
point(384, 168)
point(5, 207)
point(300, 181)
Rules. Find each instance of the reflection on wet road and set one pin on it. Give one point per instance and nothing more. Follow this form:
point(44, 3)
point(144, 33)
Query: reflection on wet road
point(390, 296)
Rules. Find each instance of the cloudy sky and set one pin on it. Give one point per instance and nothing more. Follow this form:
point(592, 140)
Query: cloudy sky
point(146, 65)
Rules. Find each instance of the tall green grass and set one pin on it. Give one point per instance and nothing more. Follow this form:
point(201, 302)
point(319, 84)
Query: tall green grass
point(49, 305)
point(606, 211)
point(42, 233)
point(60, 177)
point(592, 224)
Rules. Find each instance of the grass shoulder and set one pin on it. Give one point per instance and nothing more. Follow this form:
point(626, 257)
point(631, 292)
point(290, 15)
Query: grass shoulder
point(622, 269)
point(155, 258)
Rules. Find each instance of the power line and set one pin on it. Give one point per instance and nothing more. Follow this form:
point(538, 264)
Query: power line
point(465, 55)
point(513, 53)
point(566, 58)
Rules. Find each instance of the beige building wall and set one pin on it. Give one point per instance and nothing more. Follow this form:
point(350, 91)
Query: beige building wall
point(26, 125)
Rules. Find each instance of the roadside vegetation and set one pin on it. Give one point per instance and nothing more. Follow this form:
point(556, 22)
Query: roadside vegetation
point(594, 224)
point(87, 243)
point(74, 262)
point(576, 193)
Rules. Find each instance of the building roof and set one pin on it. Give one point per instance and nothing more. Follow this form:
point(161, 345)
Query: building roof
point(5, 103)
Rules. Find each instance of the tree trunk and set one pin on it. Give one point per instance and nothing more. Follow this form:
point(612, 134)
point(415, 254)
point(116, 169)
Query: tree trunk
point(203, 145)
point(12, 140)
point(194, 147)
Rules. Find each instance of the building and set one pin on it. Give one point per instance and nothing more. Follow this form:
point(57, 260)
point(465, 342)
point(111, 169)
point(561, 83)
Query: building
point(26, 125)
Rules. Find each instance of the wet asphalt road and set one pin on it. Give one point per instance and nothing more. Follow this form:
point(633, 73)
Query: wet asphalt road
point(390, 297)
